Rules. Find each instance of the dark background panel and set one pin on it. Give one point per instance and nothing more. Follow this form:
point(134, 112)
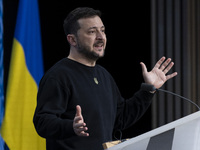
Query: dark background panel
point(128, 34)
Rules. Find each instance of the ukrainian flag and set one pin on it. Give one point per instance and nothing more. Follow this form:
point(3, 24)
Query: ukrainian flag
point(1, 73)
point(26, 70)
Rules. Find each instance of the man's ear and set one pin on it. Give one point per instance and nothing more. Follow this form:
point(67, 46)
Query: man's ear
point(71, 39)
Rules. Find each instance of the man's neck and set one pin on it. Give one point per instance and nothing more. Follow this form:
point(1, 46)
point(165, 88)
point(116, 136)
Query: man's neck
point(81, 59)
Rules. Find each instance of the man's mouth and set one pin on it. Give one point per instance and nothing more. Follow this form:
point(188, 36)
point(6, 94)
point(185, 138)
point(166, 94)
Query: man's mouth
point(99, 45)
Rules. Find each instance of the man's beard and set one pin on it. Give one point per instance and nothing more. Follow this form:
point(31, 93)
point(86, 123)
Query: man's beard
point(85, 50)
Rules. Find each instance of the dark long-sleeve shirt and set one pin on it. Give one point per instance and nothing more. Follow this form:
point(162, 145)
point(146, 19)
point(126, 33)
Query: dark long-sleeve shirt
point(69, 83)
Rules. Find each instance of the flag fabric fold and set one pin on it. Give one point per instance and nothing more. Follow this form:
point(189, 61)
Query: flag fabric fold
point(1, 73)
point(25, 72)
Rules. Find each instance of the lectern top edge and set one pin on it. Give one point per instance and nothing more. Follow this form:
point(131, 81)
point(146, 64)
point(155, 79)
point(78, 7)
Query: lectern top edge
point(161, 129)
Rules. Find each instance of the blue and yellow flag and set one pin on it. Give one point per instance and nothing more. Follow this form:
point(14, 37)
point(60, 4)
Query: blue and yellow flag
point(1, 73)
point(26, 70)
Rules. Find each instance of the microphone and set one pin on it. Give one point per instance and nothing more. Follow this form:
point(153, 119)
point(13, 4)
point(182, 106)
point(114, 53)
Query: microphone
point(149, 87)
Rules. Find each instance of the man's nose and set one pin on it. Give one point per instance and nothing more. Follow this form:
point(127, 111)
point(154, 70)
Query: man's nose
point(100, 35)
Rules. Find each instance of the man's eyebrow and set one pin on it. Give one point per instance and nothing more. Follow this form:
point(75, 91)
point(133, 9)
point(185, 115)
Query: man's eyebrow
point(95, 27)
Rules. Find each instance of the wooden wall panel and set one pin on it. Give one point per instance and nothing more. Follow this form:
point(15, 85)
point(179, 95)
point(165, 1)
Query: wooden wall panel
point(175, 33)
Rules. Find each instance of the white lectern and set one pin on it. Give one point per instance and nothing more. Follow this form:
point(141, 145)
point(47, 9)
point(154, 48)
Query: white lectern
point(182, 134)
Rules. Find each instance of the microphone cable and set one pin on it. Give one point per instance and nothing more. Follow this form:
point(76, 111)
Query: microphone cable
point(149, 87)
point(179, 97)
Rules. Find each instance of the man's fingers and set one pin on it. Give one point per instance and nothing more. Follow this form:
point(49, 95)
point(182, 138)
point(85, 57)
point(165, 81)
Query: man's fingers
point(171, 75)
point(80, 128)
point(158, 64)
point(166, 70)
point(78, 110)
point(78, 118)
point(144, 68)
point(79, 125)
point(165, 64)
point(83, 133)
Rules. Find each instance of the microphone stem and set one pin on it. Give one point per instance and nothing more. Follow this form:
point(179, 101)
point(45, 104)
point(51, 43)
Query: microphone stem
point(180, 97)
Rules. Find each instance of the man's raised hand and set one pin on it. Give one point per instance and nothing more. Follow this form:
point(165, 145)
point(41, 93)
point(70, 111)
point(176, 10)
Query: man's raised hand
point(158, 75)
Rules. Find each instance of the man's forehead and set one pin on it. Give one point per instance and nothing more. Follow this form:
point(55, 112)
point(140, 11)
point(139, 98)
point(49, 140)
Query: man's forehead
point(91, 22)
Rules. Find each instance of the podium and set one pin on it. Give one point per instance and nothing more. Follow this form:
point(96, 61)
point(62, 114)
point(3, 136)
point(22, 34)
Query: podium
point(182, 134)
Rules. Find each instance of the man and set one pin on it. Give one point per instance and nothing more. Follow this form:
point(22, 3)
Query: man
point(78, 103)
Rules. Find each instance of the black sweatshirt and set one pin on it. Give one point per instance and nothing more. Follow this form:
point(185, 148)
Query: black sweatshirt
point(69, 83)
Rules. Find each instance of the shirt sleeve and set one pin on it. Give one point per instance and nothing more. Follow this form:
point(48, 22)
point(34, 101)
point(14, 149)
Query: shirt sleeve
point(131, 110)
point(52, 102)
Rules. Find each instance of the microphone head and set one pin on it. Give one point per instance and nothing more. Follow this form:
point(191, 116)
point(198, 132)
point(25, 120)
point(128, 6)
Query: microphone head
point(147, 87)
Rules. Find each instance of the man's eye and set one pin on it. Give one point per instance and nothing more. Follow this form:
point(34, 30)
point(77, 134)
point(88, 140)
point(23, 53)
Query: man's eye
point(91, 31)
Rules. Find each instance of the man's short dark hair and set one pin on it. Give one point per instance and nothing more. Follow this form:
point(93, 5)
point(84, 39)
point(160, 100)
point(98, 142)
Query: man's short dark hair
point(71, 24)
